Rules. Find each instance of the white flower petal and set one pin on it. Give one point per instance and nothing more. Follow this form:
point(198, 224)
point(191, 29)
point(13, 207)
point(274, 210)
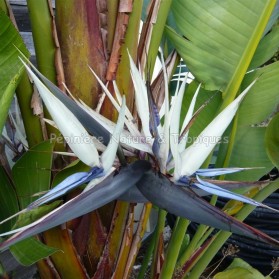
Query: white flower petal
point(141, 97)
point(165, 144)
point(75, 134)
point(174, 128)
point(119, 99)
point(187, 118)
point(127, 139)
point(108, 156)
point(129, 123)
point(195, 155)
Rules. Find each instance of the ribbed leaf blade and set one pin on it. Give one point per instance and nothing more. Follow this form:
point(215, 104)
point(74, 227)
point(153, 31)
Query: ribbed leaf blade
point(250, 126)
point(10, 66)
point(222, 34)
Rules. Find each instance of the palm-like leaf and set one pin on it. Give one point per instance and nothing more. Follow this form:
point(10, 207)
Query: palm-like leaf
point(223, 35)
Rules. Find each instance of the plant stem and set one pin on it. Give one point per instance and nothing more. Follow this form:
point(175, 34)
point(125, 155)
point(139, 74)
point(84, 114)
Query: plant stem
point(137, 239)
point(157, 33)
point(123, 76)
point(174, 248)
point(157, 244)
point(147, 257)
point(205, 236)
point(192, 245)
point(112, 6)
point(41, 23)
point(31, 122)
point(43, 38)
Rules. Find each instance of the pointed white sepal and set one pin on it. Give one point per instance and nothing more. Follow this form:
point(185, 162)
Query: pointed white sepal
point(129, 121)
point(174, 128)
point(187, 119)
point(165, 144)
point(141, 98)
point(74, 133)
point(195, 155)
point(126, 137)
point(109, 154)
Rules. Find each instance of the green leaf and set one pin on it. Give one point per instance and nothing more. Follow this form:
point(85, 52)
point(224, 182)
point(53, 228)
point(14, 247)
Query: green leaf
point(31, 250)
point(32, 172)
point(266, 49)
point(220, 38)
point(206, 115)
point(34, 214)
point(272, 140)
point(273, 18)
point(239, 269)
point(246, 142)
point(10, 66)
point(8, 201)
point(74, 167)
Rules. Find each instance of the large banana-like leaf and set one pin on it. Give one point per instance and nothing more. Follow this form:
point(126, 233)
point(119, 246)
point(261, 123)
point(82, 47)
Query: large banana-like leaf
point(8, 200)
point(31, 175)
point(31, 250)
point(219, 38)
point(246, 143)
point(266, 48)
point(206, 115)
point(240, 269)
point(10, 66)
point(32, 172)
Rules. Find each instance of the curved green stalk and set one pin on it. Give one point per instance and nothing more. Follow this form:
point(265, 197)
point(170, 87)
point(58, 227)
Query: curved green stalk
point(158, 233)
point(31, 122)
point(174, 248)
point(42, 31)
point(199, 237)
point(157, 33)
point(123, 76)
point(41, 23)
point(112, 6)
point(24, 93)
point(192, 245)
point(147, 257)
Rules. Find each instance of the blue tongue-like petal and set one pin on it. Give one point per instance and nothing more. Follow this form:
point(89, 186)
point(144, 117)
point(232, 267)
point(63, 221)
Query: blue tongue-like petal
point(216, 190)
point(219, 171)
point(66, 185)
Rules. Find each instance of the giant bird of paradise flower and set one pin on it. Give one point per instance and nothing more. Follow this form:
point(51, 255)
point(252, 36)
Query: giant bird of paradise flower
point(167, 174)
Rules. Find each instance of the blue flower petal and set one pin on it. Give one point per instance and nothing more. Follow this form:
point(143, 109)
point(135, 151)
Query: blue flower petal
point(216, 190)
point(220, 171)
point(66, 185)
point(185, 180)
